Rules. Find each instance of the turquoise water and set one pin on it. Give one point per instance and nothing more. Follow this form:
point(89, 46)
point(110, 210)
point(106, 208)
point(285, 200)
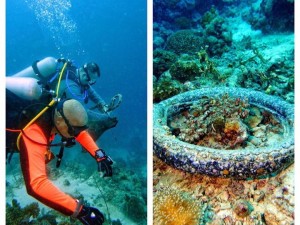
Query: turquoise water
point(112, 34)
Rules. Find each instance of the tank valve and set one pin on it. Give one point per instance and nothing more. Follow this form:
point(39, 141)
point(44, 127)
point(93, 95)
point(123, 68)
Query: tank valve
point(51, 92)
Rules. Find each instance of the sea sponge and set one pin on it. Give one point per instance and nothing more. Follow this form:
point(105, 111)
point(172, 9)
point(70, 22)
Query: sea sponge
point(185, 70)
point(173, 207)
point(165, 88)
point(162, 61)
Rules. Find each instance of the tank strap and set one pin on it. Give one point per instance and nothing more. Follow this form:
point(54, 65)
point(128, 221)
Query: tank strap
point(36, 69)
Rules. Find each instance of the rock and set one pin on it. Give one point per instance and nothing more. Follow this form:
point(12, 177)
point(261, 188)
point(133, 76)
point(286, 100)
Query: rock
point(242, 208)
point(258, 195)
point(254, 119)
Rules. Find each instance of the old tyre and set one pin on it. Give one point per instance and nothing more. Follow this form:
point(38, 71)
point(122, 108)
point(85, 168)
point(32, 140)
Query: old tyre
point(240, 163)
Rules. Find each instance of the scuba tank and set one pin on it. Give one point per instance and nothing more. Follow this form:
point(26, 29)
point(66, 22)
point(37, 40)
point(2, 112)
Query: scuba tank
point(42, 69)
point(24, 87)
point(26, 83)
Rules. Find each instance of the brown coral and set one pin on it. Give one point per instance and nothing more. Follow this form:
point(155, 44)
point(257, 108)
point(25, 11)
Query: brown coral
point(184, 70)
point(172, 207)
point(184, 41)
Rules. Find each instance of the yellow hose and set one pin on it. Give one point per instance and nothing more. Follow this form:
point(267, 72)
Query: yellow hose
point(53, 101)
point(59, 78)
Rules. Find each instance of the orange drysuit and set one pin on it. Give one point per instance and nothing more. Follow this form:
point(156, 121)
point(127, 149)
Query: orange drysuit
point(33, 164)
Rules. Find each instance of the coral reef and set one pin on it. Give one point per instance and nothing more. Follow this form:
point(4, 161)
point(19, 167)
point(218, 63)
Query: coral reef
point(249, 140)
point(272, 16)
point(162, 61)
point(133, 206)
point(184, 41)
point(217, 34)
point(158, 42)
point(164, 88)
point(84, 183)
point(246, 64)
point(184, 70)
point(280, 78)
point(183, 22)
point(172, 207)
point(207, 66)
point(246, 60)
point(275, 77)
point(282, 204)
point(16, 215)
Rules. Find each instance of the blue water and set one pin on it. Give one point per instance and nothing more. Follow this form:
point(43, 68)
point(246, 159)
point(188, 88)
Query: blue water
point(111, 33)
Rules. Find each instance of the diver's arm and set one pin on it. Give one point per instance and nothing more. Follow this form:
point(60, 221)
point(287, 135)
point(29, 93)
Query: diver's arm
point(32, 157)
point(95, 97)
point(86, 141)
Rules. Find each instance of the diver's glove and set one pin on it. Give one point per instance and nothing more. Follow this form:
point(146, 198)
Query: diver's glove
point(103, 108)
point(104, 163)
point(90, 216)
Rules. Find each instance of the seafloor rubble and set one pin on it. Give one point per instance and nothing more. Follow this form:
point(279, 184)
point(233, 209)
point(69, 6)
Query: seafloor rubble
point(226, 123)
point(221, 201)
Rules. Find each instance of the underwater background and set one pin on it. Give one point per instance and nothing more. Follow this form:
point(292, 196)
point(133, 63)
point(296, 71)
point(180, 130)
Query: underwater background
point(112, 34)
point(204, 147)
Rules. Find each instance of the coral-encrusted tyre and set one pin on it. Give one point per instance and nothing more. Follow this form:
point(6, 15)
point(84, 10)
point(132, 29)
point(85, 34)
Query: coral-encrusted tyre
point(242, 163)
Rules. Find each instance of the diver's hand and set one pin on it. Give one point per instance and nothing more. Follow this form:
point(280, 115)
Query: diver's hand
point(104, 163)
point(103, 108)
point(90, 216)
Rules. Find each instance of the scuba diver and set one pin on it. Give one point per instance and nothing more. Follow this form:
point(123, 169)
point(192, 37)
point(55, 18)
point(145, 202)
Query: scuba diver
point(67, 118)
point(32, 120)
point(76, 83)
